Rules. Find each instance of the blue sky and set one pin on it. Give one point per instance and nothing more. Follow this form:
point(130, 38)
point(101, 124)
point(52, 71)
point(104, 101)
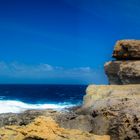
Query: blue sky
point(62, 41)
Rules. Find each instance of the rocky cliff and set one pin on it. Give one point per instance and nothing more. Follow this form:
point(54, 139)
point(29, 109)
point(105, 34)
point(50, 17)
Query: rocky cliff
point(115, 108)
point(123, 72)
point(95, 93)
point(126, 70)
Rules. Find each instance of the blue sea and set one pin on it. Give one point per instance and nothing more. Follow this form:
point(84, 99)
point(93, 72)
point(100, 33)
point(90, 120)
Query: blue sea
point(16, 98)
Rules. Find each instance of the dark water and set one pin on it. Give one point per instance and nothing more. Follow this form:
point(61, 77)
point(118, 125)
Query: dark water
point(43, 93)
point(32, 95)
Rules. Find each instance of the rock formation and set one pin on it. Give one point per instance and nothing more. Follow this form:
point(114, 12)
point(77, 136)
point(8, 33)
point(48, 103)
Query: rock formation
point(127, 49)
point(45, 128)
point(115, 108)
point(123, 72)
point(126, 70)
point(95, 93)
point(107, 109)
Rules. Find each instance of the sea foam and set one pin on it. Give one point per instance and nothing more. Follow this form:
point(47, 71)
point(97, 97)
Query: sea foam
point(13, 106)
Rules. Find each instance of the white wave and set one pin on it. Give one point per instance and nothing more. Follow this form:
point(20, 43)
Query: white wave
point(13, 106)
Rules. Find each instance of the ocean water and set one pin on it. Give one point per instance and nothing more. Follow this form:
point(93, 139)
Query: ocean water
point(18, 98)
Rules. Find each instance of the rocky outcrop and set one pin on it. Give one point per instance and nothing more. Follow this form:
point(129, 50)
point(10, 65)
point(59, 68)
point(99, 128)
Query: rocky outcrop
point(127, 49)
point(115, 110)
point(45, 128)
point(127, 69)
point(28, 116)
point(95, 93)
point(123, 72)
point(107, 109)
point(23, 118)
point(66, 119)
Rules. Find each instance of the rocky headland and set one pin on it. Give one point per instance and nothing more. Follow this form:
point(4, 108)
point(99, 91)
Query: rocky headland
point(108, 111)
point(115, 108)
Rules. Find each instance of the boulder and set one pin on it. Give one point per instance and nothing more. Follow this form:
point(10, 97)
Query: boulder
point(115, 110)
point(127, 49)
point(123, 72)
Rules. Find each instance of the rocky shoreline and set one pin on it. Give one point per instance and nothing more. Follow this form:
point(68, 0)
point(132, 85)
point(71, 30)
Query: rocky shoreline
point(35, 125)
point(108, 111)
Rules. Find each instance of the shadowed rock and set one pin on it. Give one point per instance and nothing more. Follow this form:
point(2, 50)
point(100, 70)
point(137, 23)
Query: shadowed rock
point(123, 72)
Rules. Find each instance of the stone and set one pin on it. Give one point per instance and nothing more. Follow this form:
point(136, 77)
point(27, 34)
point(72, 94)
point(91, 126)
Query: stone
point(126, 124)
point(25, 117)
point(127, 49)
point(123, 72)
point(45, 128)
point(66, 118)
point(97, 92)
point(115, 110)
point(78, 121)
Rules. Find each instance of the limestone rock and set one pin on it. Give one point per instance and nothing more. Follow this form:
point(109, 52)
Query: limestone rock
point(115, 110)
point(96, 92)
point(123, 72)
point(78, 121)
point(25, 117)
point(45, 128)
point(126, 124)
point(66, 118)
point(127, 49)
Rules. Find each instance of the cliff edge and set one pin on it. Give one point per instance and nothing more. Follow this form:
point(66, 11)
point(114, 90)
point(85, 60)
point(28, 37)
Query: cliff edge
point(115, 108)
point(126, 68)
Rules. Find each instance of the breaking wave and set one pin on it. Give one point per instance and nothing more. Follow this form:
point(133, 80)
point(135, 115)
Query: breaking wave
point(13, 106)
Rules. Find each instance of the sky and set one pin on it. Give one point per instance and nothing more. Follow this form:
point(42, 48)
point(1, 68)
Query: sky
point(62, 41)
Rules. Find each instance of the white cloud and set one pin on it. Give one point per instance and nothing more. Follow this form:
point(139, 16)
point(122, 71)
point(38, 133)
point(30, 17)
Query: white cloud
point(84, 69)
point(45, 67)
point(15, 70)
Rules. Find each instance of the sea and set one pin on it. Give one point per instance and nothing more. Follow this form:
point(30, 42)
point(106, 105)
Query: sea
point(16, 98)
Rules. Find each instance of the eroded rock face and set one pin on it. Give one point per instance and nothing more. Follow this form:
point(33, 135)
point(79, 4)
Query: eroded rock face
point(94, 93)
point(45, 128)
point(81, 122)
point(123, 72)
point(115, 110)
point(126, 124)
point(127, 49)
